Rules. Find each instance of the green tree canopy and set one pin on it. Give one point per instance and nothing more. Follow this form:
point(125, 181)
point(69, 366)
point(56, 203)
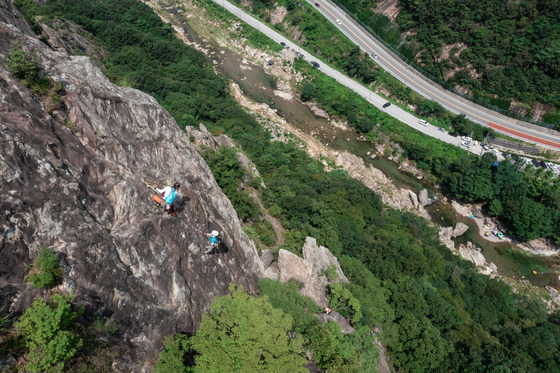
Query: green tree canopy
point(242, 333)
point(47, 329)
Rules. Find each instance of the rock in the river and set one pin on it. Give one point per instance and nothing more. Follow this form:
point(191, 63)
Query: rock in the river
point(423, 198)
point(460, 229)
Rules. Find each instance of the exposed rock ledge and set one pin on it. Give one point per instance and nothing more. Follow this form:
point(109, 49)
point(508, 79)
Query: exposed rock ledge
point(310, 270)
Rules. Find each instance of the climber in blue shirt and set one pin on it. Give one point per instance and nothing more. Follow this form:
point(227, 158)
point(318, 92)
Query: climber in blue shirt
point(213, 241)
point(169, 193)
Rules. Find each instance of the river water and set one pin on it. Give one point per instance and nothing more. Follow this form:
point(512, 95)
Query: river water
point(259, 86)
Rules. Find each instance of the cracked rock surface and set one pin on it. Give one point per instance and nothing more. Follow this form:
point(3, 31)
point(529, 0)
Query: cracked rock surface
point(74, 181)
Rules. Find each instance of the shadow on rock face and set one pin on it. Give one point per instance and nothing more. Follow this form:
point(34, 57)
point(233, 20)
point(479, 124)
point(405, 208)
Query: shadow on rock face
point(220, 249)
point(180, 204)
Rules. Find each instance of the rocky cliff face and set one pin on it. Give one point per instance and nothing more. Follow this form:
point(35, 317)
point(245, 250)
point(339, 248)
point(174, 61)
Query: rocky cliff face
point(73, 180)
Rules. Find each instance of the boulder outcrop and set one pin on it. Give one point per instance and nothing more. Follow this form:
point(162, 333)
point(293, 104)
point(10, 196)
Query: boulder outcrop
point(345, 327)
point(321, 259)
point(75, 182)
point(474, 255)
point(423, 198)
point(309, 270)
point(460, 228)
point(291, 266)
point(413, 199)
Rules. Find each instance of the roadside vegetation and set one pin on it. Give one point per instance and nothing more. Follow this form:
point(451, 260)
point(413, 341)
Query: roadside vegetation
point(323, 39)
point(436, 312)
point(498, 52)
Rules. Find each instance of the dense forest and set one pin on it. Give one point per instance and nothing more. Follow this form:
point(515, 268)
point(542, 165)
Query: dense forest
point(510, 49)
point(436, 312)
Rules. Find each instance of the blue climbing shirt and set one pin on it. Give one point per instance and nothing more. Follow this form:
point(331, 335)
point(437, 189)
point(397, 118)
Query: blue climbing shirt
point(214, 240)
point(171, 196)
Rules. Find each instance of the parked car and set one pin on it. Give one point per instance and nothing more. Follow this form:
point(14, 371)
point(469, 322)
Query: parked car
point(386, 105)
point(465, 144)
point(466, 138)
point(338, 22)
point(506, 155)
point(316, 64)
point(423, 122)
point(453, 134)
point(441, 129)
point(485, 146)
point(283, 44)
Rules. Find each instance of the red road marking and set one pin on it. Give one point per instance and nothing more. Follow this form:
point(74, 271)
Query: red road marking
point(536, 139)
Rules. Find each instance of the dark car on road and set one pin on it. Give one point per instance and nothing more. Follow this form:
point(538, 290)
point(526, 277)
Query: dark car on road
point(316, 64)
point(283, 44)
point(386, 105)
point(317, 5)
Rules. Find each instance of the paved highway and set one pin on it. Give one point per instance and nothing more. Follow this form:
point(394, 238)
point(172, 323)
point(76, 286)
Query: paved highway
point(408, 76)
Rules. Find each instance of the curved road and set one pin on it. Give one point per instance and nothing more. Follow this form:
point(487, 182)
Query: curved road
point(408, 76)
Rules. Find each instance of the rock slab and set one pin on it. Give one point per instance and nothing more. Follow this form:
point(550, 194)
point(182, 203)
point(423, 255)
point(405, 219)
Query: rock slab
point(460, 228)
point(321, 259)
point(75, 182)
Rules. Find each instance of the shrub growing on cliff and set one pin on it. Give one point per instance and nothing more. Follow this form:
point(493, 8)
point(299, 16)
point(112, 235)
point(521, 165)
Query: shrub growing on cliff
point(46, 271)
point(242, 333)
point(47, 329)
point(24, 67)
point(171, 359)
point(4, 320)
